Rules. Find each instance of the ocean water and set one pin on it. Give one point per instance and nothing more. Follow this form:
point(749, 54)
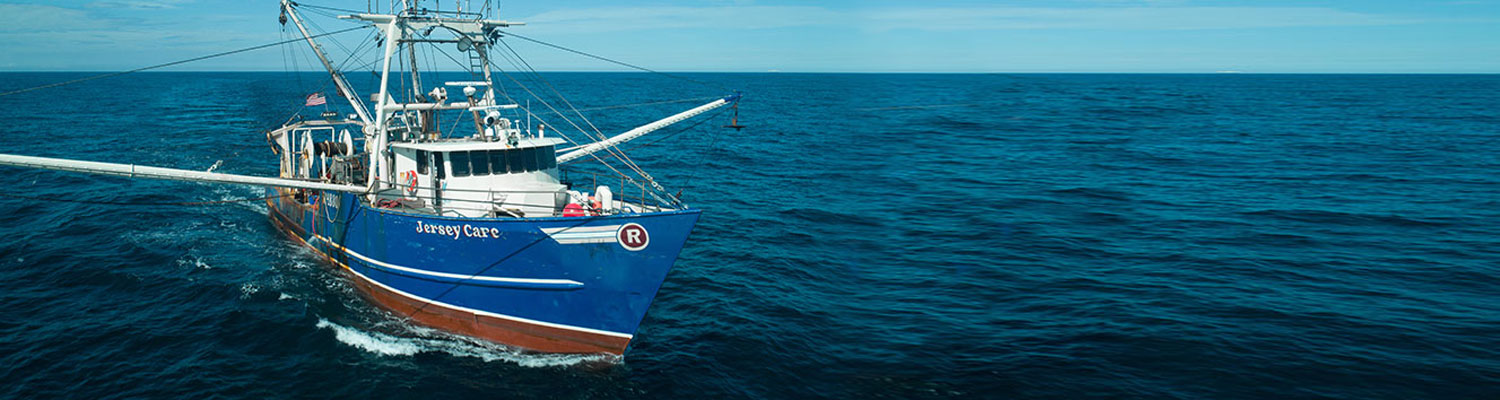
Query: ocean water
point(869, 236)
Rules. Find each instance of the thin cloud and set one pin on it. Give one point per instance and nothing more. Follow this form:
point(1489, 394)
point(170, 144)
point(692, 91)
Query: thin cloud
point(609, 19)
point(40, 18)
point(139, 4)
point(638, 18)
point(1129, 18)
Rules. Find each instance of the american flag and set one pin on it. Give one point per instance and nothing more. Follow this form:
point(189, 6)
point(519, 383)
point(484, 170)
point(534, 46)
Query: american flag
point(316, 99)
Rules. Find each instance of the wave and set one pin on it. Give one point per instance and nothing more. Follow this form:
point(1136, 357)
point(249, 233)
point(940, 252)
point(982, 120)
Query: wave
point(1093, 193)
point(1346, 218)
point(194, 262)
point(433, 341)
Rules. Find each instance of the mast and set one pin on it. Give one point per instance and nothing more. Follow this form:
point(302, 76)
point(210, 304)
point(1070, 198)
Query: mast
point(395, 28)
point(377, 146)
point(416, 77)
point(338, 78)
point(484, 58)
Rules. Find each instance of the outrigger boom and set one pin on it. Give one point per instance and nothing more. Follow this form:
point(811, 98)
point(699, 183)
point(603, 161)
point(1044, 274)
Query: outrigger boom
point(150, 172)
point(644, 129)
point(141, 171)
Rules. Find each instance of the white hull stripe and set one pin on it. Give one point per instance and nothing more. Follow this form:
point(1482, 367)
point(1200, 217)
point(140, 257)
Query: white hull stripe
point(490, 314)
point(450, 306)
point(580, 235)
point(562, 283)
point(480, 312)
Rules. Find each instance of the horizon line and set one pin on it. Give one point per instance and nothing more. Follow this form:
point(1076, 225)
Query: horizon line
point(837, 72)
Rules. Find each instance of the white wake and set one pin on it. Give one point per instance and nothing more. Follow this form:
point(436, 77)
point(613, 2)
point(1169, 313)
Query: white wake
point(433, 341)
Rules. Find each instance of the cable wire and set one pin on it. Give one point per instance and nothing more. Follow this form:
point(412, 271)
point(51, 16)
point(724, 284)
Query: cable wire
point(617, 62)
point(114, 74)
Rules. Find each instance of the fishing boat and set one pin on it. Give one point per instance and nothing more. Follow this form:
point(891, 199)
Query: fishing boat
point(450, 204)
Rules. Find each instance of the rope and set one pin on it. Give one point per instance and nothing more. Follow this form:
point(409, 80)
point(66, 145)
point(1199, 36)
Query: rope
point(114, 74)
point(131, 203)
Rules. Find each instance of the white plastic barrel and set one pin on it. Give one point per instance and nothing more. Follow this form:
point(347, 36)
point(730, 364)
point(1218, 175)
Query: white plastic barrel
point(605, 197)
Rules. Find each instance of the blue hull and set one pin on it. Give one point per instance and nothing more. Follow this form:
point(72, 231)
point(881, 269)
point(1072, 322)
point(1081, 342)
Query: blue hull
point(556, 284)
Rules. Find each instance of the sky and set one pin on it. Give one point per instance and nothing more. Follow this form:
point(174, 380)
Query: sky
point(1149, 36)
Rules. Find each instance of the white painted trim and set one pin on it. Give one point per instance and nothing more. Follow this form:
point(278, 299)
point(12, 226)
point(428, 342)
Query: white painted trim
point(579, 235)
point(490, 314)
point(480, 312)
point(448, 275)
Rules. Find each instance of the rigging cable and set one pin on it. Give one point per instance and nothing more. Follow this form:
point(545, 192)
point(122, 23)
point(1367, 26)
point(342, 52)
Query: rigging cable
point(114, 74)
point(650, 103)
point(612, 149)
point(300, 105)
point(538, 77)
point(564, 117)
point(688, 183)
point(617, 62)
point(298, 4)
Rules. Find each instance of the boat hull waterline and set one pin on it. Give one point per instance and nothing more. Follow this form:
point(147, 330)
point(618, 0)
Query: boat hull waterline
point(554, 284)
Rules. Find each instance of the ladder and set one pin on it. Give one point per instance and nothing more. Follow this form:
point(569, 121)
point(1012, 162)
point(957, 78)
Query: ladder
point(476, 61)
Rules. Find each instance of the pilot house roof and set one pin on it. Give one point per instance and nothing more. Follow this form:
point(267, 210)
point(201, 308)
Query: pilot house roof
point(469, 145)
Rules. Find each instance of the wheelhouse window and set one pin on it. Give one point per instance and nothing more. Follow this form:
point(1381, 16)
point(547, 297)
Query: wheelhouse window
point(480, 162)
point(513, 157)
point(529, 154)
point(497, 162)
point(459, 160)
point(546, 158)
point(422, 162)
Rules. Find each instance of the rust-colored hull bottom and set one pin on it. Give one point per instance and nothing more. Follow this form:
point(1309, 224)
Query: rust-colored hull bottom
point(513, 333)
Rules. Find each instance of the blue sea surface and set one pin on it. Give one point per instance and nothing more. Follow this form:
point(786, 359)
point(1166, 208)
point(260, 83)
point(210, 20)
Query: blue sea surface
point(874, 236)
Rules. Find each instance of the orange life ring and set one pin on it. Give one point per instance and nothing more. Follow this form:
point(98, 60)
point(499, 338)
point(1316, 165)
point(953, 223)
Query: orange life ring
point(411, 182)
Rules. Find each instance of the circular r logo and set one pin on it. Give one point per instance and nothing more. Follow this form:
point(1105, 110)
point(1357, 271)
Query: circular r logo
point(633, 237)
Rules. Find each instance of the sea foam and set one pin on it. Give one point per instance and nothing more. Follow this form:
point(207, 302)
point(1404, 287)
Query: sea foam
point(433, 341)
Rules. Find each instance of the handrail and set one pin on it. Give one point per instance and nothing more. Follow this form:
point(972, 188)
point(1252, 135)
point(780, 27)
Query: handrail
point(466, 205)
point(623, 180)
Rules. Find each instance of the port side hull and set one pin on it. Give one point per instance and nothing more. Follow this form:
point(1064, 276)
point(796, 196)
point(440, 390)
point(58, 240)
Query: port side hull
point(559, 285)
